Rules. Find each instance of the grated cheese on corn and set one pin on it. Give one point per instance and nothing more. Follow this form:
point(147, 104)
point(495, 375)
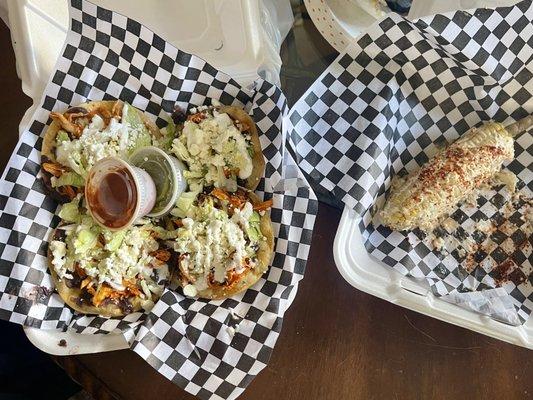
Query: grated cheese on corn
point(433, 191)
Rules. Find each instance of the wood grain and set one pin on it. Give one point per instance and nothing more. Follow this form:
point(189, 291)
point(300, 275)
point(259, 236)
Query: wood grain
point(336, 342)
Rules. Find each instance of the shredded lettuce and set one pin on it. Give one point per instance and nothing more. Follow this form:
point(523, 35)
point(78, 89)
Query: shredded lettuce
point(193, 175)
point(70, 179)
point(169, 133)
point(113, 239)
point(85, 240)
point(183, 204)
point(62, 136)
point(144, 139)
point(132, 117)
point(87, 221)
point(70, 211)
point(196, 187)
point(255, 217)
point(179, 148)
point(171, 128)
point(165, 234)
point(145, 289)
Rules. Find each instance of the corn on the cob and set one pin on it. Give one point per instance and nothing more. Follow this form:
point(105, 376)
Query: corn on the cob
point(424, 197)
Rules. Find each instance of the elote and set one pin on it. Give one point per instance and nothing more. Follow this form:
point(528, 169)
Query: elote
point(422, 198)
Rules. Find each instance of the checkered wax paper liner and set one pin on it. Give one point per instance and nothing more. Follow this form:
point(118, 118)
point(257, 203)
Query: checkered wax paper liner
point(396, 95)
point(211, 348)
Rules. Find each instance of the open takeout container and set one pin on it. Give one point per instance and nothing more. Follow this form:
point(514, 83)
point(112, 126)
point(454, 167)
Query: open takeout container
point(365, 273)
point(194, 343)
point(384, 105)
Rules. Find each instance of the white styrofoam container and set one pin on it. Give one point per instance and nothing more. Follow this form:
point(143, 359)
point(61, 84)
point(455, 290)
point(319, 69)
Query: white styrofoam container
point(342, 21)
point(421, 8)
point(227, 34)
point(38, 30)
point(371, 276)
point(339, 21)
point(65, 343)
point(230, 35)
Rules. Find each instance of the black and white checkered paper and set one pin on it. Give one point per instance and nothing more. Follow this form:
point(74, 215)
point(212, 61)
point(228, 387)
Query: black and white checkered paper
point(396, 95)
point(212, 349)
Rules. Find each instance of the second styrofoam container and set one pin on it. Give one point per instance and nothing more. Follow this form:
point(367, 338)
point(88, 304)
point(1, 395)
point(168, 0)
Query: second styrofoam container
point(422, 8)
point(369, 275)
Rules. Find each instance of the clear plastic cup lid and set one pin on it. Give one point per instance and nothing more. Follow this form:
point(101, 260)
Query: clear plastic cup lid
point(167, 174)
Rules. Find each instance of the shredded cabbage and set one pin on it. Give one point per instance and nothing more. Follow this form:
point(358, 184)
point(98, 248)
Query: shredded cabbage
point(113, 239)
point(132, 117)
point(70, 211)
point(68, 179)
point(62, 136)
point(184, 203)
point(168, 134)
point(85, 240)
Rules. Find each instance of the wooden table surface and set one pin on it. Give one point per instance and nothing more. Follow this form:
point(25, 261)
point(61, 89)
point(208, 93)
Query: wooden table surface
point(336, 343)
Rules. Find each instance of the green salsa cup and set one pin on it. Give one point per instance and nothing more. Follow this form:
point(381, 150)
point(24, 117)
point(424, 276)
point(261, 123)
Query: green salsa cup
point(167, 174)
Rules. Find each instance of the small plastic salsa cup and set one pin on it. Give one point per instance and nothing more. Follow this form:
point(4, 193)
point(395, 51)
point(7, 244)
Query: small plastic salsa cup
point(167, 174)
point(118, 193)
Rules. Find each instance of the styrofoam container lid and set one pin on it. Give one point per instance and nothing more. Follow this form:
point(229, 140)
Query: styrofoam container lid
point(226, 34)
point(422, 8)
